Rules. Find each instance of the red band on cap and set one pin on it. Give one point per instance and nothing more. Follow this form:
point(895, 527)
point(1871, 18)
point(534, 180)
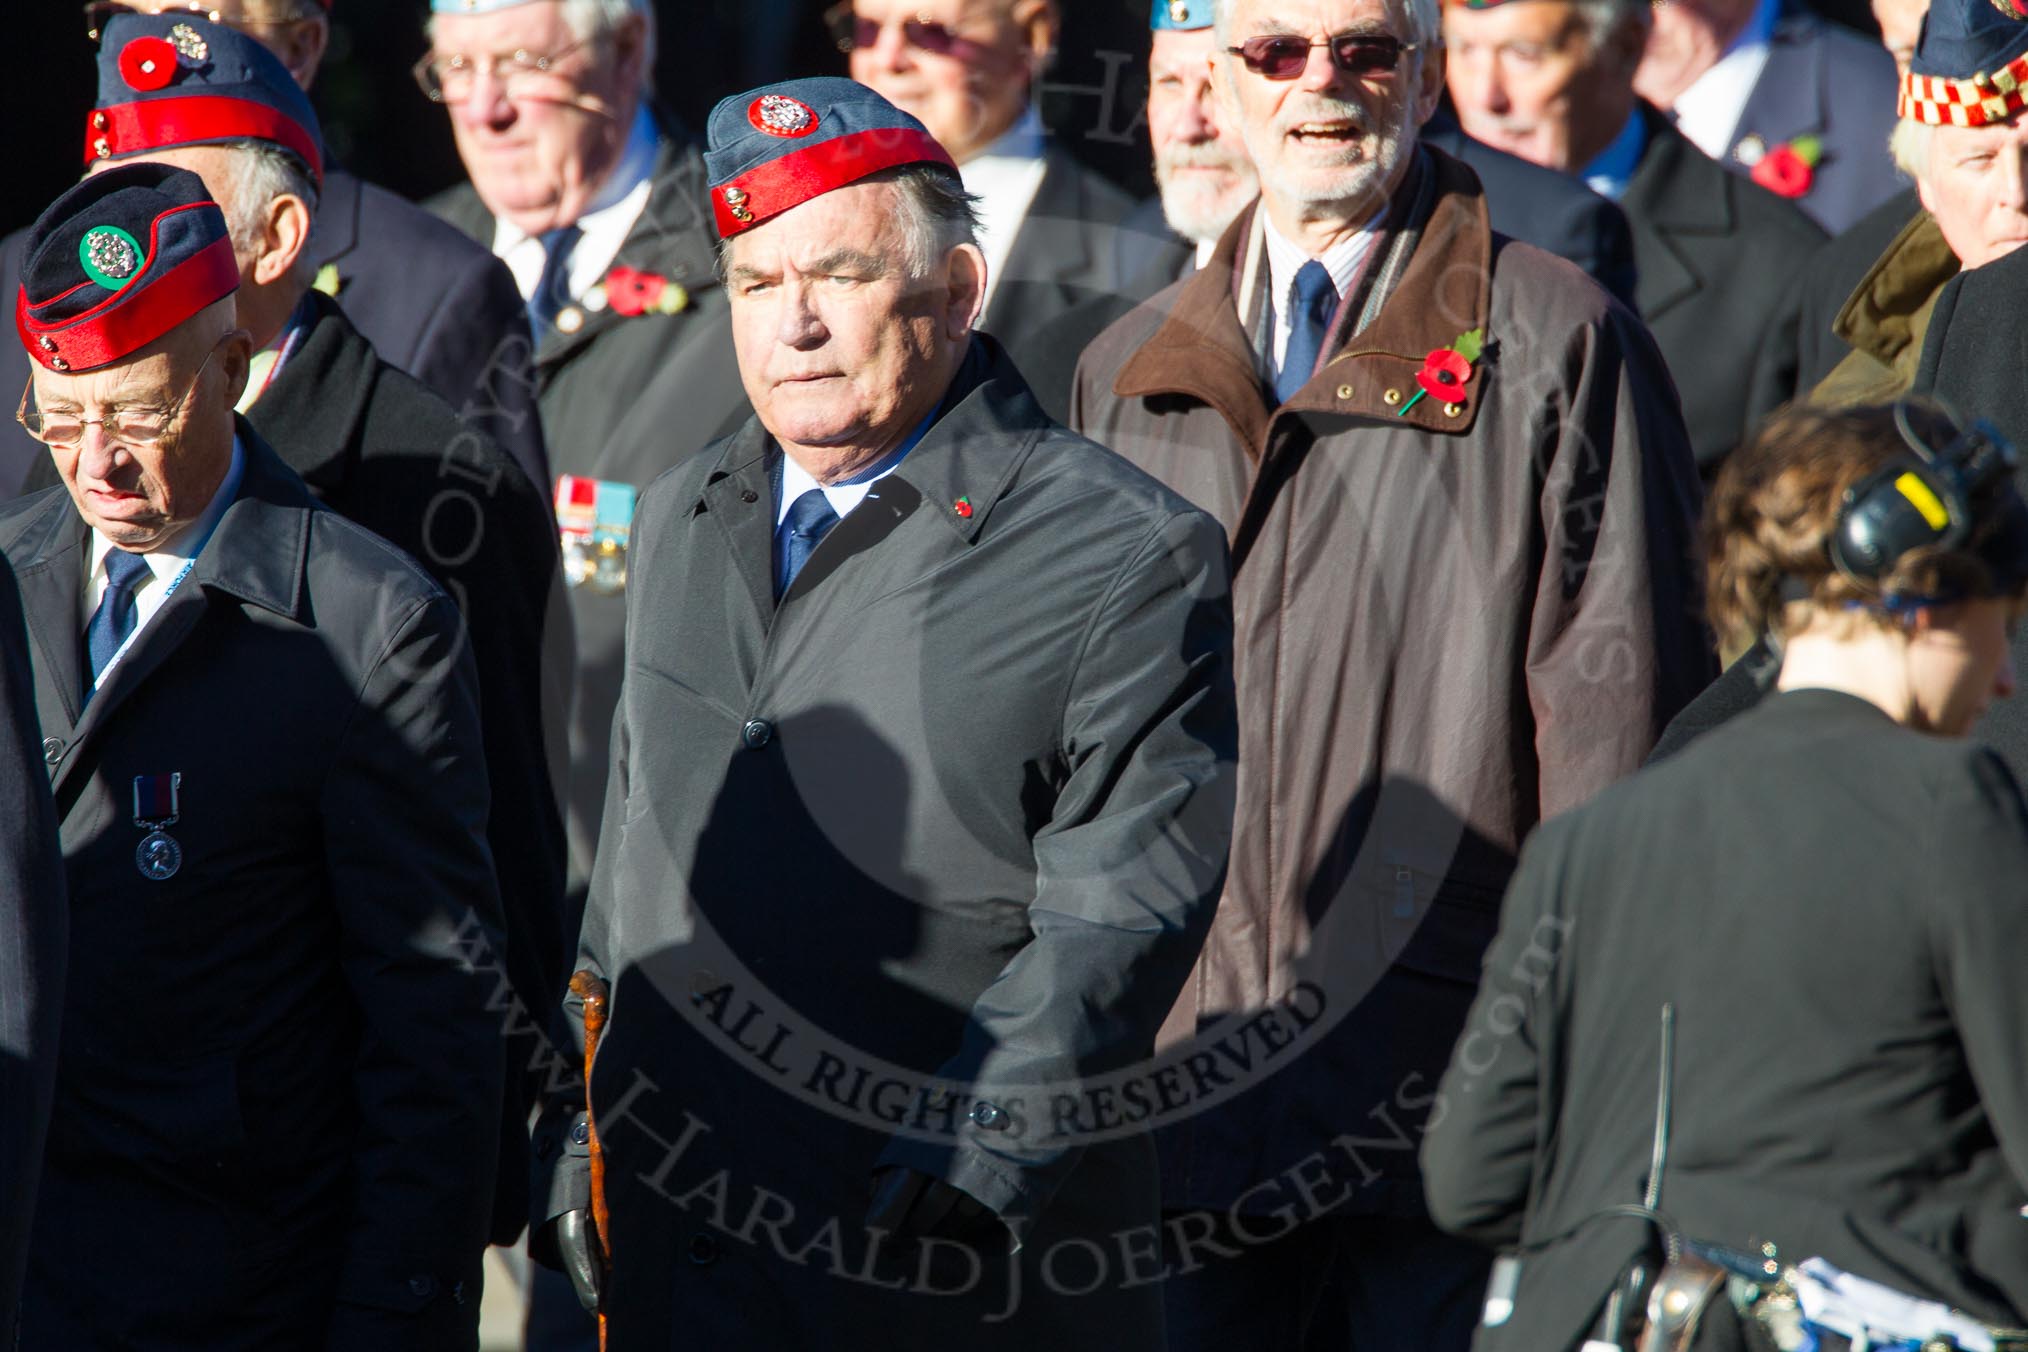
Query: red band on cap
point(772, 188)
point(134, 128)
point(103, 334)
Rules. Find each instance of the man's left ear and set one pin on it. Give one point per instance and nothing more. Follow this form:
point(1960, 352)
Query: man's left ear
point(302, 45)
point(288, 235)
point(235, 357)
point(1429, 89)
point(966, 289)
point(1040, 27)
point(630, 51)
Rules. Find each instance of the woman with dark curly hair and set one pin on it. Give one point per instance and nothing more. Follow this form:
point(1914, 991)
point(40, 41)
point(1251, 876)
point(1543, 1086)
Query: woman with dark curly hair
point(1768, 995)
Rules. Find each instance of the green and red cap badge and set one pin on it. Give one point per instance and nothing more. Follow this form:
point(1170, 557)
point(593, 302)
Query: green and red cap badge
point(118, 261)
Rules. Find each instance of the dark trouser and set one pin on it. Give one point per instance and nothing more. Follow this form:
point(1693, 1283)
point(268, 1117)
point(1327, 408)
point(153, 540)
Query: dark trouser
point(1336, 1284)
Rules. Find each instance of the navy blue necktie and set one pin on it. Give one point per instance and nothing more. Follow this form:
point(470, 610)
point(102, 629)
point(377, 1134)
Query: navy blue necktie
point(810, 519)
point(551, 291)
point(113, 621)
point(1316, 302)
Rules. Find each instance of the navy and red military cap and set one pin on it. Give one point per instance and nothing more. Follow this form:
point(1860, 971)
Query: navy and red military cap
point(778, 146)
point(118, 261)
point(178, 80)
point(1970, 67)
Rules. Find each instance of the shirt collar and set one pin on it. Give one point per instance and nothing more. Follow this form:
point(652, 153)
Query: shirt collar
point(169, 558)
point(1708, 110)
point(1613, 168)
point(1025, 140)
point(1342, 260)
point(617, 201)
point(846, 493)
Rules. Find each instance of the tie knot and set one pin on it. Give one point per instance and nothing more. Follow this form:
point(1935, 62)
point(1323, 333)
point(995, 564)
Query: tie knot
point(124, 569)
point(811, 514)
point(1315, 292)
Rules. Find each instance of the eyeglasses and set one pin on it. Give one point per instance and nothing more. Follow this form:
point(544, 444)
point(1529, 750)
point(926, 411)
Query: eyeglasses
point(100, 12)
point(852, 32)
point(1284, 58)
point(128, 426)
point(448, 78)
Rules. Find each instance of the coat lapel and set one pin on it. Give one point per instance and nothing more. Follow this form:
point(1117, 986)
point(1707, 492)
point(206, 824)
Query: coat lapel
point(672, 239)
point(257, 554)
point(1677, 191)
point(1051, 250)
point(1789, 99)
point(51, 579)
point(313, 409)
point(739, 496)
point(337, 231)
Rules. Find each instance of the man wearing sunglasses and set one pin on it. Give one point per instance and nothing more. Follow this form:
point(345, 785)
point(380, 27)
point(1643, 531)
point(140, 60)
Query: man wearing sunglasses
point(1553, 81)
point(968, 69)
point(430, 302)
point(278, 1095)
point(1460, 501)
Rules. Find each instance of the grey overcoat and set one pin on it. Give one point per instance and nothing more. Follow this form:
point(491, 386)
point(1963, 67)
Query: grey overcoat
point(959, 805)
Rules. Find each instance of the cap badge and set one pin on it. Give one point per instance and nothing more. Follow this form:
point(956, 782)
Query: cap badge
point(2012, 9)
point(148, 64)
point(110, 256)
point(1179, 11)
point(736, 199)
point(780, 115)
point(189, 44)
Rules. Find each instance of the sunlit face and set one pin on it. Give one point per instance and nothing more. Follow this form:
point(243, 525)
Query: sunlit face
point(1973, 184)
point(972, 91)
point(1959, 662)
point(1200, 162)
point(1528, 79)
point(141, 495)
point(838, 346)
point(538, 145)
point(1327, 142)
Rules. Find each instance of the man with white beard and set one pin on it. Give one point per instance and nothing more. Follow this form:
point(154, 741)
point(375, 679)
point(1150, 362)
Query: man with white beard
point(1461, 501)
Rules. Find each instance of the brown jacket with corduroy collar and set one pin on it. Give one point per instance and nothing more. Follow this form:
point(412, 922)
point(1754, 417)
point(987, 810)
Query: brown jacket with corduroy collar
point(1455, 617)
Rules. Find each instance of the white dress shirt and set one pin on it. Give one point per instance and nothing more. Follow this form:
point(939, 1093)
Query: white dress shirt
point(1344, 261)
point(846, 493)
point(1006, 176)
point(606, 223)
point(1708, 111)
point(167, 561)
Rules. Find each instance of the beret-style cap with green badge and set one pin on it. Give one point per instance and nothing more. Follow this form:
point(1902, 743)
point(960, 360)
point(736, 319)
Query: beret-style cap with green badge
point(118, 261)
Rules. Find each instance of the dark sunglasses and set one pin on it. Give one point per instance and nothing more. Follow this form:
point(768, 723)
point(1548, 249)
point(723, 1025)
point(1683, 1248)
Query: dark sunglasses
point(851, 32)
point(1284, 58)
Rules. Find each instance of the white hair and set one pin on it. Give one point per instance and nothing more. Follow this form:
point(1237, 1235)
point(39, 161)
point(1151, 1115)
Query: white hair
point(261, 172)
point(595, 21)
point(1425, 21)
point(1909, 146)
point(938, 215)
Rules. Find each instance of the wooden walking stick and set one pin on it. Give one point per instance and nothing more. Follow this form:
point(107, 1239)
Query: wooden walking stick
point(593, 992)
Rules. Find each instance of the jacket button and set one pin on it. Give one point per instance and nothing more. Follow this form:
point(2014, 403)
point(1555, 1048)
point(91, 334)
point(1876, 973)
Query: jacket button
point(748, 495)
point(52, 749)
point(581, 1133)
point(422, 1286)
point(703, 1250)
point(990, 1116)
point(757, 733)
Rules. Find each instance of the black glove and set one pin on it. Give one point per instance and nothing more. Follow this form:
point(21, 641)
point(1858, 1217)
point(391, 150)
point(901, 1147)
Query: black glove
point(584, 1262)
point(911, 1206)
